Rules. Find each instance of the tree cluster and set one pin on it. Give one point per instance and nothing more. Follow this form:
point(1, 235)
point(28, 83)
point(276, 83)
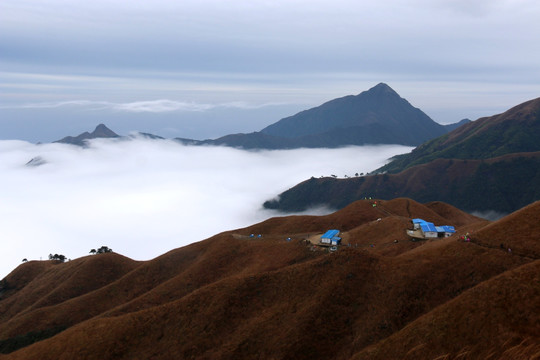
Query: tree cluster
point(57, 257)
point(101, 250)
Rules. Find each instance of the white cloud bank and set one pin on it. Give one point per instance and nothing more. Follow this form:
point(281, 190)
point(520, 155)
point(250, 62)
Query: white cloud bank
point(142, 198)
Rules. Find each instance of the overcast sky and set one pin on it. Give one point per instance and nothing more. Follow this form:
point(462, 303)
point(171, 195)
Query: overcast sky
point(143, 198)
point(206, 68)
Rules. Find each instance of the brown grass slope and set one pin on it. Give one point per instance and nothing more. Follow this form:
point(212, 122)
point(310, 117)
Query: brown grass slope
point(165, 278)
point(498, 319)
point(236, 297)
point(525, 113)
point(326, 308)
point(54, 283)
point(504, 183)
point(519, 232)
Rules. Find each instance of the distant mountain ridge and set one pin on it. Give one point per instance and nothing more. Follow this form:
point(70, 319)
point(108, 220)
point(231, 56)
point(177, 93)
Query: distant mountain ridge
point(492, 163)
point(376, 116)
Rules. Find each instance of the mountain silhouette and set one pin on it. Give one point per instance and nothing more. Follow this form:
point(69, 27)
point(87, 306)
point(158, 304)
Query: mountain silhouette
point(378, 115)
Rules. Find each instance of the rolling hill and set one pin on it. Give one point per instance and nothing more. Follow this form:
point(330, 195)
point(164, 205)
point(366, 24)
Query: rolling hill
point(234, 296)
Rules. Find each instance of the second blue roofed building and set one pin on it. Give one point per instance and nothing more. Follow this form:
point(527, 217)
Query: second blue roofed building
point(426, 230)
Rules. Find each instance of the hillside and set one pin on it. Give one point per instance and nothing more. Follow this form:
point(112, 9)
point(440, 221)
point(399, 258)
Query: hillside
point(514, 131)
point(491, 164)
point(234, 296)
point(501, 184)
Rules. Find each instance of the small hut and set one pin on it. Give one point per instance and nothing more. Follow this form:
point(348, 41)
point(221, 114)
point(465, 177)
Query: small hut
point(331, 237)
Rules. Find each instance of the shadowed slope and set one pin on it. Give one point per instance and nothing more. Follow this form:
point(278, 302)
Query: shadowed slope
point(473, 185)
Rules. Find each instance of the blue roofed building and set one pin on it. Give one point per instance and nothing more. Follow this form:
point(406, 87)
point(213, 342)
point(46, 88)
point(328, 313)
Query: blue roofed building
point(427, 230)
point(331, 237)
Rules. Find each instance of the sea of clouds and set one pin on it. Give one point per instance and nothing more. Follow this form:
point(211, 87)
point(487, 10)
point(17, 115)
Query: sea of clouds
point(145, 197)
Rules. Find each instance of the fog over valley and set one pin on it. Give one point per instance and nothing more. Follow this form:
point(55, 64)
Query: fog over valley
point(144, 197)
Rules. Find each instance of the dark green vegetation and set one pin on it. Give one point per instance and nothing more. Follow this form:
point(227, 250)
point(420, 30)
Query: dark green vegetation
point(57, 257)
point(490, 164)
point(101, 250)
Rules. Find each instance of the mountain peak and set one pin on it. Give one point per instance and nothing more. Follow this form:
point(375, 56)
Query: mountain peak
point(382, 89)
point(378, 115)
point(103, 131)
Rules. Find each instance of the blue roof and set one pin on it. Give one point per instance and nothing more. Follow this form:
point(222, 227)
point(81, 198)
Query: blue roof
point(427, 226)
point(330, 234)
point(446, 228)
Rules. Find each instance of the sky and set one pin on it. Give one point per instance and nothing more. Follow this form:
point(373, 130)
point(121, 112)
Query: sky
point(143, 197)
point(206, 68)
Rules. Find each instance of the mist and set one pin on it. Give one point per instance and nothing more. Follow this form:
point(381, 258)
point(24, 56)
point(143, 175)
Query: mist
point(142, 197)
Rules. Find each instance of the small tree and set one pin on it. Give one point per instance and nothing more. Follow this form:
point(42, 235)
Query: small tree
point(24, 260)
point(92, 251)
